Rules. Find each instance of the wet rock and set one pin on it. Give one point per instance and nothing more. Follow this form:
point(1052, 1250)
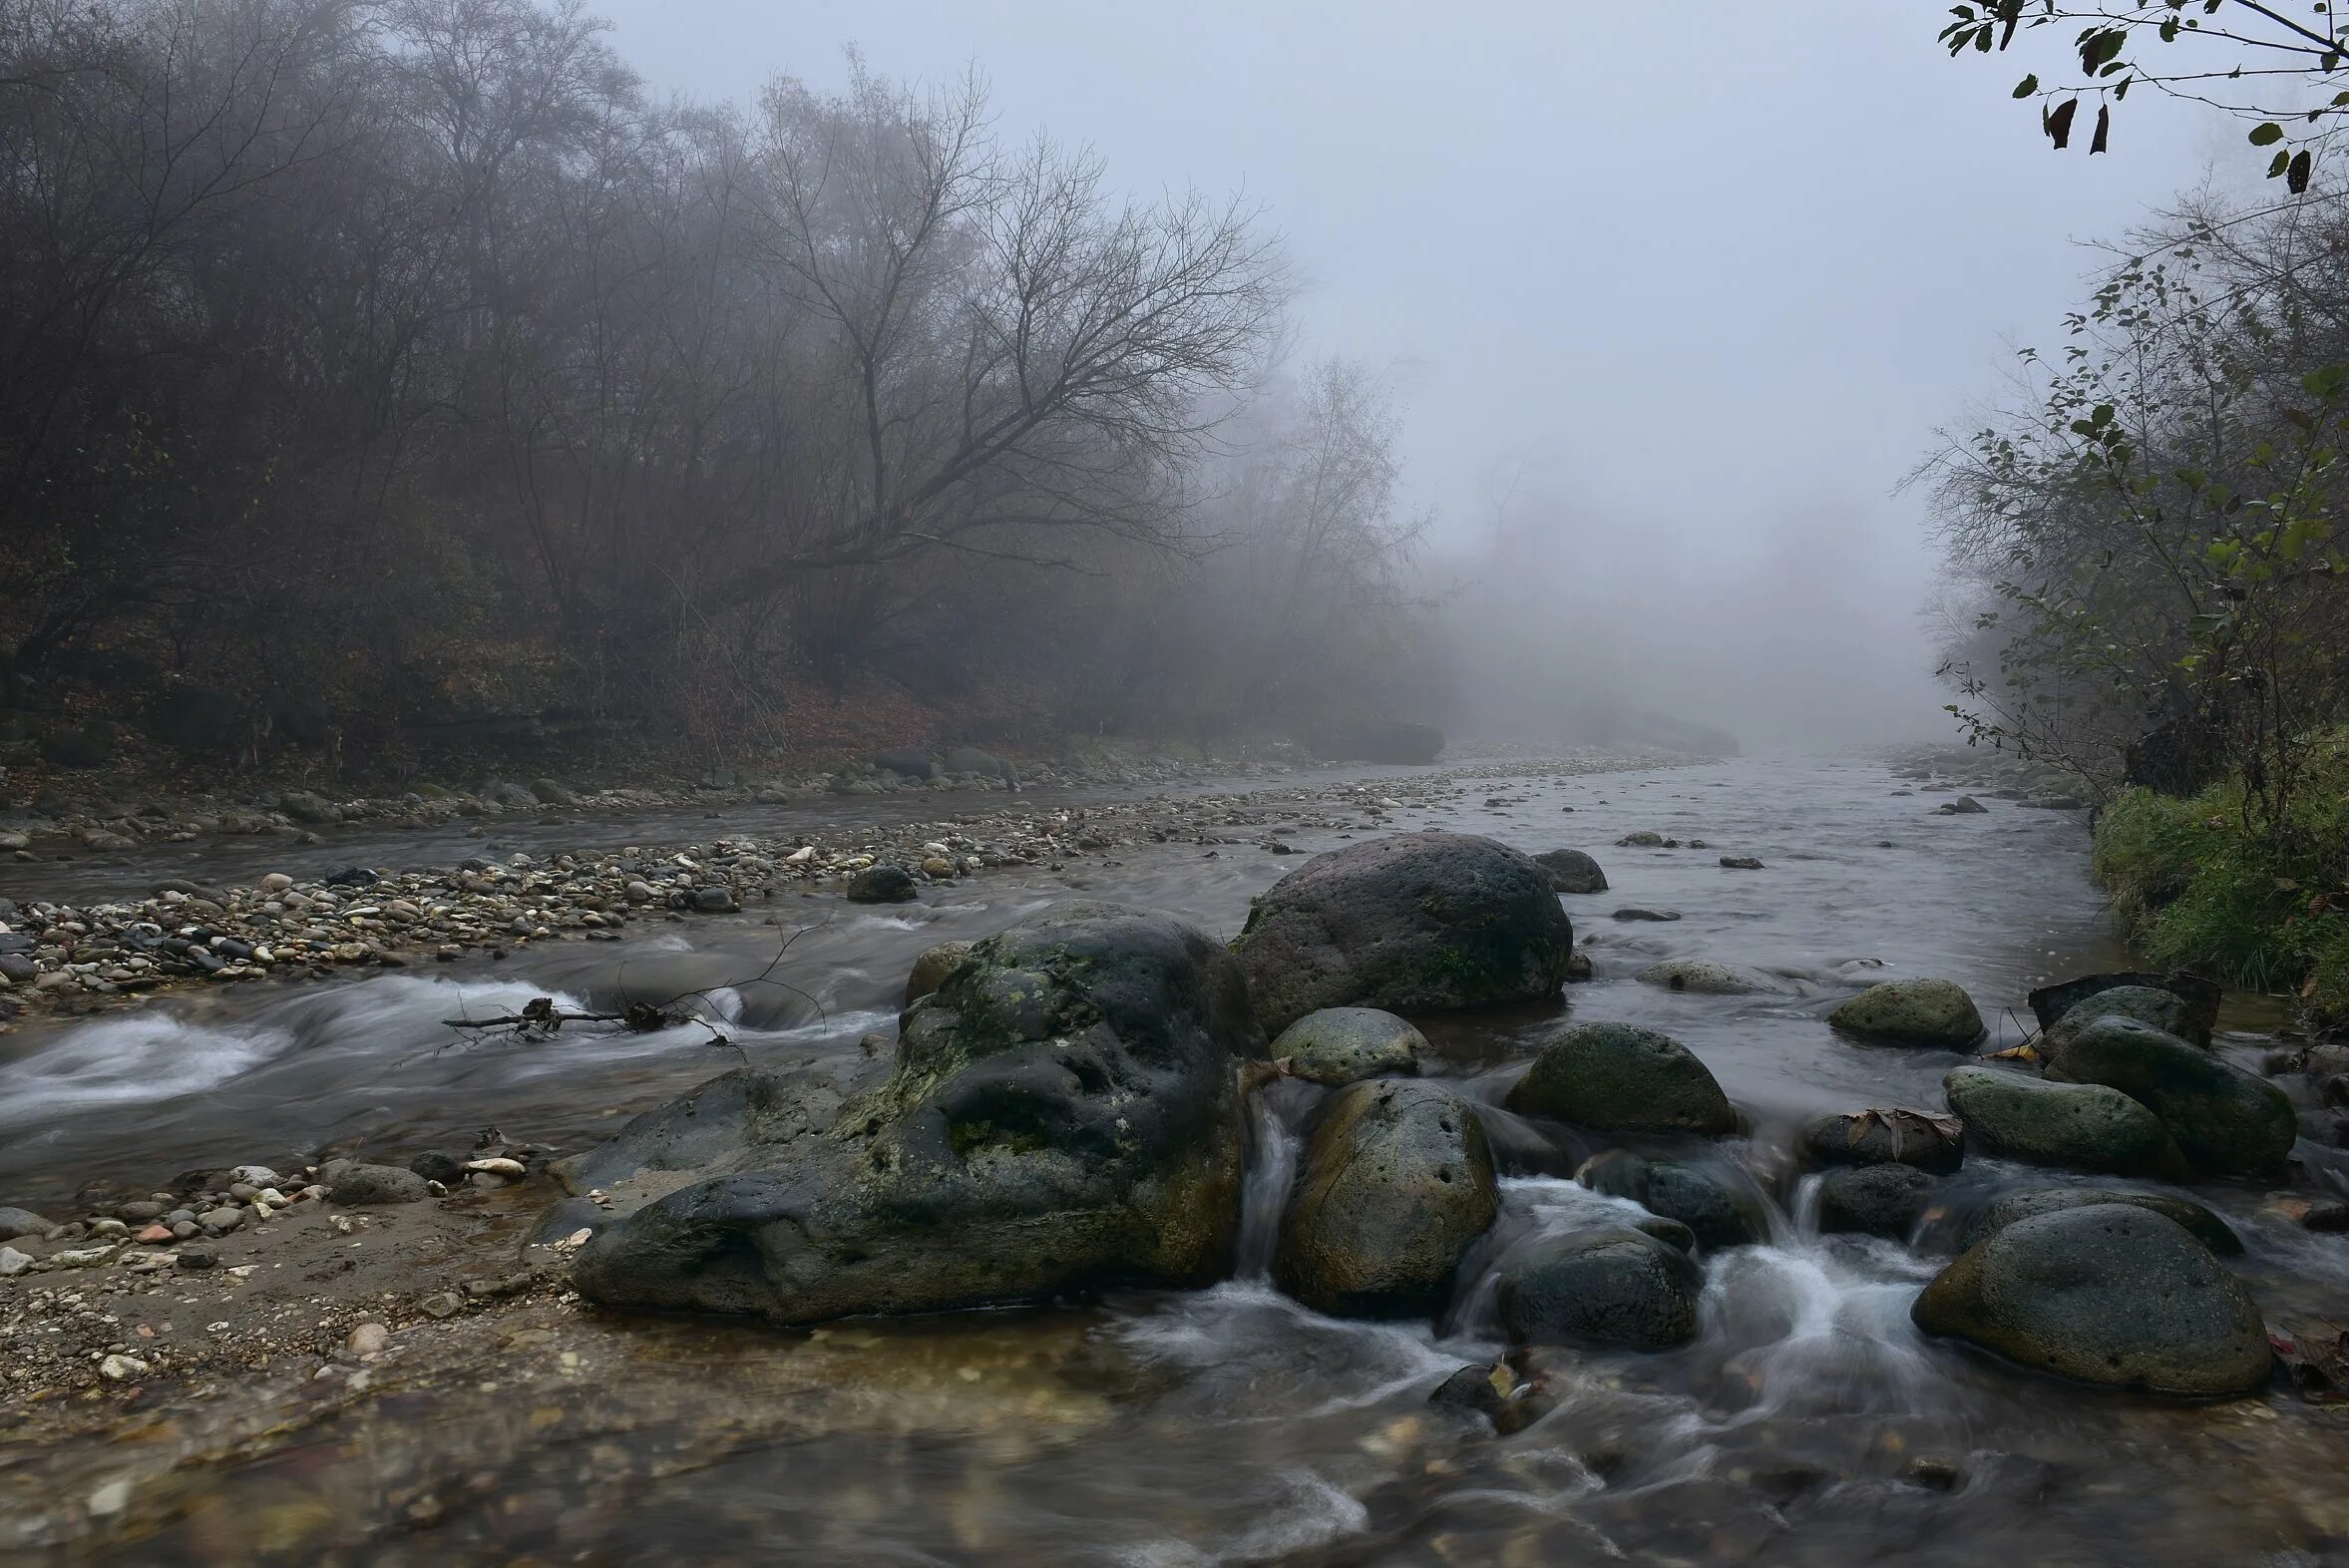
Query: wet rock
point(433, 1165)
point(1636, 912)
point(2151, 1006)
point(1885, 1137)
point(1718, 1210)
point(931, 967)
point(1419, 922)
point(883, 884)
point(2078, 1126)
point(21, 1221)
point(1641, 838)
point(1875, 1200)
point(1963, 806)
point(1064, 1115)
point(441, 1304)
point(1491, 1392)
point(223, 1220)
point(1340, 1045)
point(746, 1117)
point(2227, 1122)
point(1397, 1182)
point(368, 1338)
point(2049, 1004)
point(1610, 1289)
point(1739, 863)
point(2201, 1222)
point(355, 1185)
point(304, 806)
point(1620, 1077)
point(197, 1259)
point(554, 792)
point(1705, 977)
point(2105, 1294)
point(1935, 1013)
point(1571, 871)
point(121, 1368)
point(716, 901)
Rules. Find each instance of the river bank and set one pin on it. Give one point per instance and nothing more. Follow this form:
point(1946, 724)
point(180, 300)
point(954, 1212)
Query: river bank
point(1807, 1421)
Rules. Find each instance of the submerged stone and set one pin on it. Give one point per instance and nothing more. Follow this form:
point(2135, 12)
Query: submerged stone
point(1925, 1013)
point(1608, 1288)
point(1620, 1077)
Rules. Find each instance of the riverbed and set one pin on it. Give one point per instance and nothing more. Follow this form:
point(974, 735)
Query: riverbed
point(1809, 1422)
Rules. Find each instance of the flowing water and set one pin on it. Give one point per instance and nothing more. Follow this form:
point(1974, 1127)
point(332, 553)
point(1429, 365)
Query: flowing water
point(1807, 1423)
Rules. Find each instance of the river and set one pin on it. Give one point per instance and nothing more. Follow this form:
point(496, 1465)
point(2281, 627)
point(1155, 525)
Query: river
point(1809, 1424)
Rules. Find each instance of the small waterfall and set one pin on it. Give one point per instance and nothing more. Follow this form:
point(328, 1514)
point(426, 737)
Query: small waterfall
point(1274, 1143)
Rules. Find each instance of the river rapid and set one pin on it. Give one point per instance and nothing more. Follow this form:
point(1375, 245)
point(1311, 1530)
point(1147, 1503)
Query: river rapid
point(1809, 1422)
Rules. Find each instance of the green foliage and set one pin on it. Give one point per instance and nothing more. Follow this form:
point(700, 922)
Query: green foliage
point(2197, 889)
point(2254, 62)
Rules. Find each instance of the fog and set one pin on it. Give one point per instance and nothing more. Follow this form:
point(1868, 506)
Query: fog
point(1693, 301)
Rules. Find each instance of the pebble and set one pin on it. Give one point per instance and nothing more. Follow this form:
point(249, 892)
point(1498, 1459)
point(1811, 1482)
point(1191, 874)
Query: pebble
point(13, 1263)
point(442, 1304)
point(498, 1165)
point(367, 1339)
point(121, 1368)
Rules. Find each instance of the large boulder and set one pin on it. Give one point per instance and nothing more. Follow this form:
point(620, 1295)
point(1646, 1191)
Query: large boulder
point(1610, 1289)
point(1619, 1078)
point(2049, 1004)
point(1397, 1183)
point(1718, 1208)
point(2151, 1006)
point(1928, 1013)
point(2227, 1122)
point(1883, 1137)
point(1415, 923)
point(1064, 1115)
point(1571, 871)
point(2105, 1294)
point(2078, 1127)
point(883, 884)
point(1339, 1046)
point(357, 1185)
point(2201, 1222)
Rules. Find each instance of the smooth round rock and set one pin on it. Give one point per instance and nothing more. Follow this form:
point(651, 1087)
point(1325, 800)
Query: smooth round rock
point(2078, 1126)
point(883, 884)
point(1571, 871)
point(354, 1185)
point(1397, 1182)
point(1415, 923)
point(1612, 1288)
point(1340, 1045)
point(932, 966)
point(1620, 1077)
point(1935, 1013)
point(1875, 1200)
point(2227, 1122)
point(2106, 1294)
point(1716, 1210)
point(2151, 1006)
point(2201, 1222)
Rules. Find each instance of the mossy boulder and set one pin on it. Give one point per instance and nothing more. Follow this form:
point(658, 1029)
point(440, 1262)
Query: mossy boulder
point(2078, 1126)
point(1935, 1013)
point(2103, 1294)
point(2226, 1122)
point(1614, 1289)
point(2049, 1004)
point(1415, 923)
point(1620, 1077)
point(2202, 1222)
point(1397, 1182)
point(1064, 1115)
point(1339, 1046)
point(2151, 1006)
point(883, 884)
point(1571, 871)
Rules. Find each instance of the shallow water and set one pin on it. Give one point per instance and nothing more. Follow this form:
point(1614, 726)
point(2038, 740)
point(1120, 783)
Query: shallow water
point(1809, 1424)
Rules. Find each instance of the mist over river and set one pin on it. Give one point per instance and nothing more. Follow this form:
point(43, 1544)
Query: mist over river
point(1809, 1422)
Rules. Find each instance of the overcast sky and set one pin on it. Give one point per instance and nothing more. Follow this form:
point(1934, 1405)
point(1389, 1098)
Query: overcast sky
point(1713, 290)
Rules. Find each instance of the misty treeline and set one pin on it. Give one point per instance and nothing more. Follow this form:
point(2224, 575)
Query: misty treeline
point(2149, 537)
point(372, 363)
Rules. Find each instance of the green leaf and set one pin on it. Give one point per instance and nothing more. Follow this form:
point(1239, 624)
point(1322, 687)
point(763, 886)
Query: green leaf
point(2296, 177)
point(2026, 87)
point(2267, 133)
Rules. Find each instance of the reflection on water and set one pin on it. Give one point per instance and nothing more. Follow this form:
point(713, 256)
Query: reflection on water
point(1809, 1422)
